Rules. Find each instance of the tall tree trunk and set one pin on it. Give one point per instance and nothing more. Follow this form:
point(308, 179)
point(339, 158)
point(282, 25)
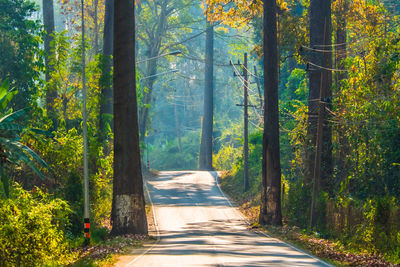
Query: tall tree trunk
point(48, 21)
point(320, 166)
point(96, 27)
point(270, 210)
point(320, 76)
point(206, 146)
point(106, 101)
point(128, 208)
point(340, 57)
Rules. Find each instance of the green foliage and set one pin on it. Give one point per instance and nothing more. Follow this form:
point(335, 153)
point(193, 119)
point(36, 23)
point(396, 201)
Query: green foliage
point(20, 60)
point(297, 208)
point(101, 194)
point(66, 80)
point(370, 225)
point(225, 156)
point(230, 150)
point(31, 228)
point(235, 180)
point(14, 152)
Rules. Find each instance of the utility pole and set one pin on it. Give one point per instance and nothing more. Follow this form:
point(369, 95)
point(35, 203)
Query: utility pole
point(245, 119)
point(86, 225)
point(317, 162)
point(246, 130)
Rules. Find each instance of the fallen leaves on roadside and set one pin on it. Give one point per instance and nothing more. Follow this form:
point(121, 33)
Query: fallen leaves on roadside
point(115, 245)
point(327, 249)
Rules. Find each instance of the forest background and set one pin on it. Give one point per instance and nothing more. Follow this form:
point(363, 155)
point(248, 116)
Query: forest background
point(41, 145)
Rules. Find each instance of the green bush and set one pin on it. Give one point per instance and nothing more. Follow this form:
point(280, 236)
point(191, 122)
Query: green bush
point(297, 207)
point(226, 156)
point(32, 228)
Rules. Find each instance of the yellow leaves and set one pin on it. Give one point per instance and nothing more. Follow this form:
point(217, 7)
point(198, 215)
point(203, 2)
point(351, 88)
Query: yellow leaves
point(232, 13)
point(223, 29)
point(282, 5)
point(237, 13)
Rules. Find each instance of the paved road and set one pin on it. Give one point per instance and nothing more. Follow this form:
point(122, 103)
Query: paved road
point(199, 227)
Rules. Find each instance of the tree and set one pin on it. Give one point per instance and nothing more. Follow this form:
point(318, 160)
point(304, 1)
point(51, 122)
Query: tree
point(206, 146)
point(270, 210)
point(340, 11)
point(48, 22)
point(128, 208)
point(20, 59)
point(153, 47)
point(160, 31)
point(320, 167)
point(106, 108)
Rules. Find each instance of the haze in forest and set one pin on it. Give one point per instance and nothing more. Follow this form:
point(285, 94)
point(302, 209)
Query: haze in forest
point(112, 109)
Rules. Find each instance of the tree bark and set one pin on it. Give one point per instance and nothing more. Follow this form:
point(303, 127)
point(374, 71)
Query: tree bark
point(96, 28)
point(128, 207)
point(51, 91)
point(320, 164)
point(206, 146)
point(106, 101)
point(340, 57)
point(270, 209)
point(320, 76)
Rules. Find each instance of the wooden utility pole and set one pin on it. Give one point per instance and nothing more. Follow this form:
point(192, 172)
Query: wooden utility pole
point(317, 162)
point(245, 81)
point(246, 129)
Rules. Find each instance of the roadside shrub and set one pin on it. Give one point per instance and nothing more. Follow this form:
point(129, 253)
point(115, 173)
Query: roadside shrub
point(297, 207)
point(225, 157)
point(32, 226)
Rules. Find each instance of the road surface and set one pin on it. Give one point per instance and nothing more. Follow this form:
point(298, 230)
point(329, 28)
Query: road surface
point(198, 227)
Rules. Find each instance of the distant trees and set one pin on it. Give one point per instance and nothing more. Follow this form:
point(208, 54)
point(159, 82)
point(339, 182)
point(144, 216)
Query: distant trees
point(206, 145)
point(163, 27)
point(154, 39)
point(270, 209)
point(128, 208)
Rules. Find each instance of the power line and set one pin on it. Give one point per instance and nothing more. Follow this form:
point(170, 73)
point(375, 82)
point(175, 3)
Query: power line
point(203, 61)
point(332, 45)
point(323, 51)
point(324, 68)
point(240, 76)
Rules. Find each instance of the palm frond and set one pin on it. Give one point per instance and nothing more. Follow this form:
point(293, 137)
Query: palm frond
point(14, 116)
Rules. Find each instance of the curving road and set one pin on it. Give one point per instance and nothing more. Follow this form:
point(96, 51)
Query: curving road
point(199, 227)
